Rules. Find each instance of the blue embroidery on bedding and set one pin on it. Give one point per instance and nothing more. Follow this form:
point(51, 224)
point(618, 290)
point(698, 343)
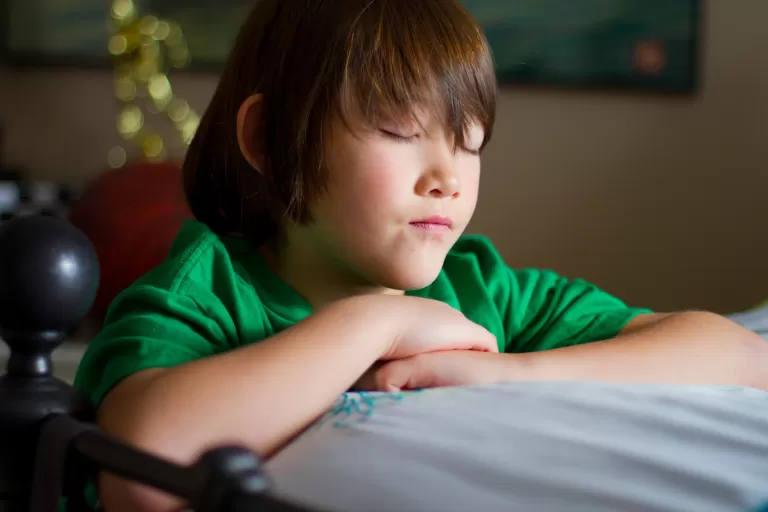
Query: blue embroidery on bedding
point(358, 407)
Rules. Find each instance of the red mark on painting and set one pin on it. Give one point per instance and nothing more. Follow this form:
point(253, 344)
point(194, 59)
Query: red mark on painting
point(650, 57)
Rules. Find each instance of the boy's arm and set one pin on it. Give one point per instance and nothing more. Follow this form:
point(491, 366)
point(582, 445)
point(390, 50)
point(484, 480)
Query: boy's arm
point(684, 348)
point(250, 396)
point(680, 348)
point(572, 330)
point(261, 395)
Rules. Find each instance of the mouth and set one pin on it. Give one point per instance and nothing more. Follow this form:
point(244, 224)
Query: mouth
point(433, 224)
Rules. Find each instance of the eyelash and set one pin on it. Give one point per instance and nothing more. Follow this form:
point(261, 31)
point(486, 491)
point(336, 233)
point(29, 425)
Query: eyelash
point(399, 137)
point(413, 138)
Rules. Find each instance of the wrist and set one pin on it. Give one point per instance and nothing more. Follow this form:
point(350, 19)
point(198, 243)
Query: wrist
point(374, 314)
point(515, 367)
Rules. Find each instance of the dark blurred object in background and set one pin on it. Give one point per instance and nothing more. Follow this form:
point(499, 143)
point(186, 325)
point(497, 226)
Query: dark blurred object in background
point(22, 195)
point(131, 215)
point(11, 184)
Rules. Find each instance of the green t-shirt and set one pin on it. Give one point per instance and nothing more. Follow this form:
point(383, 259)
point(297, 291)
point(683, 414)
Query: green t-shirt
point(214, 294)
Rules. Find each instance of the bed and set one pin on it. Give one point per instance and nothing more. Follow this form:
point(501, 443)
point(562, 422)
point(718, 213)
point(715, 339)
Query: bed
point(755, 319)
point(535, 446)
point(586, 446)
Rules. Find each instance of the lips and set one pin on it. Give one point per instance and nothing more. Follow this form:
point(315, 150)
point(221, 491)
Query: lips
point(434, 222)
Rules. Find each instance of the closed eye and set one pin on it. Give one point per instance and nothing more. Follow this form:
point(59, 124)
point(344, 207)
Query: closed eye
point(398, 137)
point(473, 152)
point(412, 138)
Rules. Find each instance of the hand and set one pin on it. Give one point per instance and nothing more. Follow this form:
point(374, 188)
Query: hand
point(438, 369)
point(425, 325)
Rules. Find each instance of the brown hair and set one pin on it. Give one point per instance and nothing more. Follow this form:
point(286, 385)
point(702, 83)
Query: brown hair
point(315, 60)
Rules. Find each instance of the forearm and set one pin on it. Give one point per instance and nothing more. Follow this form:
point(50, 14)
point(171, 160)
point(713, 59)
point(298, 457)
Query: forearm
point(684, 348)
point(259, 396)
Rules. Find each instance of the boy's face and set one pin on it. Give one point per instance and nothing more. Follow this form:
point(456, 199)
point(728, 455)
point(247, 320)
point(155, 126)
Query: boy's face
point(397, 199)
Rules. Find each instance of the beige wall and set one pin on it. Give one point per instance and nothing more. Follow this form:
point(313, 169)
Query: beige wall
point(660, 200)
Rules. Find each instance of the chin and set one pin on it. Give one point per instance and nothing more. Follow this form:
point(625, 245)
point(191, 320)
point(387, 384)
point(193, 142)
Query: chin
point(409, 273)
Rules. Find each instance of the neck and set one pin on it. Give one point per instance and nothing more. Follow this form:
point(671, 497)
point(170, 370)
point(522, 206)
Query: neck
point(316, 277)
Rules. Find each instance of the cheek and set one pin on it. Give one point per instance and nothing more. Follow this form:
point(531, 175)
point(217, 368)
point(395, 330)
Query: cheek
point(371, 182)
point(470, 183)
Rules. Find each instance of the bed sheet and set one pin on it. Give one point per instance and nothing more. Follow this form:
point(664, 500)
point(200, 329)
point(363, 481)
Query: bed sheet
point(755, 320)
point(535, 447)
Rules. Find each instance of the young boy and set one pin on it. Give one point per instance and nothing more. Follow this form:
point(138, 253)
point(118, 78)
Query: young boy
point(332, 177)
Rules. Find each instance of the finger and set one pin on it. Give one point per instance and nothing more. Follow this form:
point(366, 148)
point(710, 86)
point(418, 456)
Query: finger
point(472, 336)
point(372, 382)
point(486, 341)
point(401, 374)
point(367, 381)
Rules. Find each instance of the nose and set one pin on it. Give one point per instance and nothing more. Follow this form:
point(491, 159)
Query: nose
point(439, 181)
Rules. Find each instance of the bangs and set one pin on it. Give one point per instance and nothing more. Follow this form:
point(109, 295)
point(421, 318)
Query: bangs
point(403, 55)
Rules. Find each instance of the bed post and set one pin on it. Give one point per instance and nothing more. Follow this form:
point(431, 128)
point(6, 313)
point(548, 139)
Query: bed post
point(48, 281)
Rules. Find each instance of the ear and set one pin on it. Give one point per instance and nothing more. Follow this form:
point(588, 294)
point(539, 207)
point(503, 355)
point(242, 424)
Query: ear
point(251, 132)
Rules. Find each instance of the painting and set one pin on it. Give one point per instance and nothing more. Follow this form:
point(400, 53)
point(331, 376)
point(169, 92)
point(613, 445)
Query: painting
point(641, 44)
point(638, 44)
point(76, 32)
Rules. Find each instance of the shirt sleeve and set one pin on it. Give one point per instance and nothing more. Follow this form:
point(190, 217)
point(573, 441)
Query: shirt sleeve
point(542, 310)
point(150, 327)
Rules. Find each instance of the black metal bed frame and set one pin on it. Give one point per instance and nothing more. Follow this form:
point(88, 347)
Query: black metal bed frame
point(50, 447)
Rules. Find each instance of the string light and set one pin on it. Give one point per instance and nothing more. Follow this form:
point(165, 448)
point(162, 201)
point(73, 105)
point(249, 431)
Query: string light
point(143, 49)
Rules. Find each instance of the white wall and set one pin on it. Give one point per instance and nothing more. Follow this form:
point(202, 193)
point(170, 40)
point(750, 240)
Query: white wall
point(658, 199)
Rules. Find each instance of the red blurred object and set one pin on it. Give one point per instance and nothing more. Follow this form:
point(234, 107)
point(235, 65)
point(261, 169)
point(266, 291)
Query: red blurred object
point(132, 216)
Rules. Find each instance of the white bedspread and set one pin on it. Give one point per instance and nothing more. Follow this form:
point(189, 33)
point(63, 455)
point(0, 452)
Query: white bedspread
point(535, 447)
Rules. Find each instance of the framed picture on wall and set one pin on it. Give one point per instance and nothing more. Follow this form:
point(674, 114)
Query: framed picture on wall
point(638, 44)
point(626, 44)
point(75, 33)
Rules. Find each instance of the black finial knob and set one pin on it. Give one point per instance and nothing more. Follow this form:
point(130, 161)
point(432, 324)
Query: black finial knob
point(48, 281)
point(231, 472)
